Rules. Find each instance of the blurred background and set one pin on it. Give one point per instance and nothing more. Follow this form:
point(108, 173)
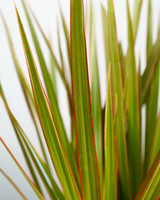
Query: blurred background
point(47, 13)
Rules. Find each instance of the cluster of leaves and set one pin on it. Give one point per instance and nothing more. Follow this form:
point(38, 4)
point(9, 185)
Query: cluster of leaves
point(103, 159)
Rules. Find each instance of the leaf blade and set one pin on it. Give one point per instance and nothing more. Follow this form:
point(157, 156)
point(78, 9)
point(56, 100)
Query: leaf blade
point(134, 147)
point(149, 189)
point(53, 100)
point(53, 140)
point(110, 191)
point(95, 94)
point(151, 114)
point(39, 195)
point(13, 184)
point(117, 91)
point(88, 167)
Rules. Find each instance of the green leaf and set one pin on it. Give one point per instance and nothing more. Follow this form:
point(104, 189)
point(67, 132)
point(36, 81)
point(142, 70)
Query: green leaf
point(55, 194)
point(27, 145)
point(87, 158)
point(13, 184)
point(152, 62)
point(39, 195)
point(151, 113)
point(53, 74)
point(50, 131)
point(105, 35)
point(110, 190)
point(25, 153)
point(149, 28)
point(150, 187)
point(136, 16)
point(116, 75)
point(134, 142)
point(95, 94)
point(58, 67)
point(66, 33)
point(24, 145)
point(156, 141)
point(52, 98)
point(25, 88)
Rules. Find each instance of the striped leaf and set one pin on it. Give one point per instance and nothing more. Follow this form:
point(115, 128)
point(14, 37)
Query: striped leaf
point(95, 94)
point(25, 153)
point(26, 90)
point(150, 187)
point(53, 100)
point(116, 84)
point(110, 182)
point(39, 195)
point(50, 131)
point(86, 150)
point(57, 65)
point(151, 113)
point(105, 35)
point(134, 149)
point(13, 184)
point(66, 33)
point(156, 141)
point(152, 62)
point(23, 140)
point(136, 16)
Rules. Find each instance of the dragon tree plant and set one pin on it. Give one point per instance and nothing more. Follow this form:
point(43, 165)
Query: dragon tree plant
point(104, 158)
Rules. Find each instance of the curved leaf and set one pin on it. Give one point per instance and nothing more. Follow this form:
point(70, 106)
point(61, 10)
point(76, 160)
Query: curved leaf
point(39, 195)
point(51, 134)
point(150, 187)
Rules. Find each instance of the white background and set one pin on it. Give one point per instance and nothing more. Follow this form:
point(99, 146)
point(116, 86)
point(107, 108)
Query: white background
point(47, 14)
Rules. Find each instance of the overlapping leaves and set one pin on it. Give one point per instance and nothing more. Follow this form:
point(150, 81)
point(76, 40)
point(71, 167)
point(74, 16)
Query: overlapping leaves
point(103, 159)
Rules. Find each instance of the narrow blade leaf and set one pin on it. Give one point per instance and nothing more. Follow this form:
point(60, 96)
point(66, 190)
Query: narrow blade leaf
point(13, 184)
point(156, 141)
point(95, 94)
point(39, 195)
point(117, 94)
point(105, 35)
point(52, 99)
point(136, 16)
point(51, 134)
point(151, 114)
point(26, 89)
point(86, 150)
point(134, 149)
point(150, 188)
point(110, 190)
point(152, 63)
point(149, 28)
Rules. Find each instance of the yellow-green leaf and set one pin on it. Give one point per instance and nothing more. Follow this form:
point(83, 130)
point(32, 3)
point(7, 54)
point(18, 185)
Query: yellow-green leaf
point(13, 184)
point(105, 35)
point(150, 187)
point(95, 94)
point(156, 141)
point(86, 150)
point(39, 195)
point(116, 85)
point(110, 181)
point(136, 16)
point(50, 131)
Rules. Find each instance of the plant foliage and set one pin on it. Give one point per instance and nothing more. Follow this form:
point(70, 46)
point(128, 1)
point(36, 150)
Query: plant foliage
point(104, 158)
